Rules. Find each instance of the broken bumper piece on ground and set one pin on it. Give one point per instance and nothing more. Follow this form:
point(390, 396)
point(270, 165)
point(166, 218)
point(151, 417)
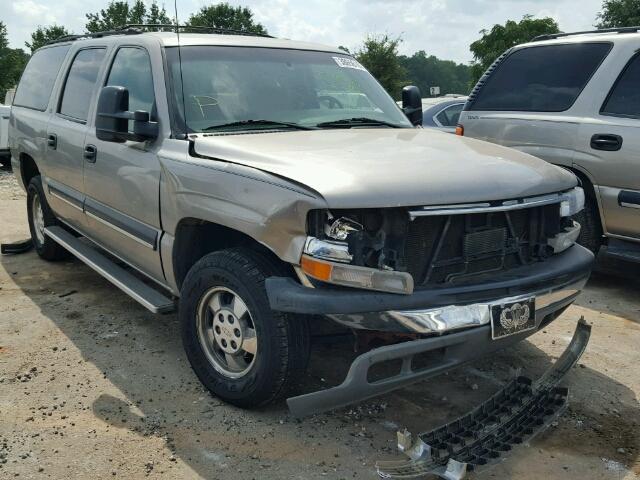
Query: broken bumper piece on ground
point(515, 414)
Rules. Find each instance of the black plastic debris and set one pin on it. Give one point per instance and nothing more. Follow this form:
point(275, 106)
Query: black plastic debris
point(15, 248)
point(512, 416)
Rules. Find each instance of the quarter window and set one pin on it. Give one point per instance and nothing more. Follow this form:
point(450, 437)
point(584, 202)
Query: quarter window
point(131, 69)
point(624, 99)
point(39, 76)
point(81, 82)
point(547, 78)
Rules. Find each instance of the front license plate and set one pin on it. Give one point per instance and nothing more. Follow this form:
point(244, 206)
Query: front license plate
point(513, 317)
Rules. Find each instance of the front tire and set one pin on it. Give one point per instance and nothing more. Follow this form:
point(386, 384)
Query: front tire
point(40, 217)
point(241, 350)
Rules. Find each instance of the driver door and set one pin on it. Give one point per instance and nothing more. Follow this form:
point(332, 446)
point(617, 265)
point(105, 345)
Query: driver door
point(122, 179)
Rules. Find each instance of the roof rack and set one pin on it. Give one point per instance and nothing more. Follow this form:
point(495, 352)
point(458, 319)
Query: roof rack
point(551, 36)
point(198, 28)
point(138, 28)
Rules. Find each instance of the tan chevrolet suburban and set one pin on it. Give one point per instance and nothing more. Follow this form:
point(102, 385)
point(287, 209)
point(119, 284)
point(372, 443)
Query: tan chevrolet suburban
point(262, 184)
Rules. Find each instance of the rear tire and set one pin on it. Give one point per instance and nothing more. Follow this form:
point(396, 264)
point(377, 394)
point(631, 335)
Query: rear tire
point(241, 350)
point(591, 227)
point(40, 217)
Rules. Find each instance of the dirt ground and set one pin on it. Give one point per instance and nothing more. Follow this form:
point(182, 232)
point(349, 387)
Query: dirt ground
point(94, 386)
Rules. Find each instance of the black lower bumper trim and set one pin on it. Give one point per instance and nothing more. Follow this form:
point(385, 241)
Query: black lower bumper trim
point(571, 266)
point(515, 414)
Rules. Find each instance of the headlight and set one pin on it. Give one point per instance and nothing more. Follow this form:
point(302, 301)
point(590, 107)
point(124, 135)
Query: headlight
point(358, 248)
point(572, 203)
point(566, 238)
point(341, 228)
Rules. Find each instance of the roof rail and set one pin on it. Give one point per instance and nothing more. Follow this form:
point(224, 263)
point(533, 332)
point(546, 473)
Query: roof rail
point(204, 29)
point(71, 38)
point(138, 28)
point(551, 36)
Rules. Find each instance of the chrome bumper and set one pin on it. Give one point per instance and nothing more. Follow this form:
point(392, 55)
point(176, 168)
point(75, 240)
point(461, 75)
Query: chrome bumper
point(453, 317)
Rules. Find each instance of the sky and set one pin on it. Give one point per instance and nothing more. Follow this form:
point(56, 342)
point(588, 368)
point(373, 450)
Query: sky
point(444, 28)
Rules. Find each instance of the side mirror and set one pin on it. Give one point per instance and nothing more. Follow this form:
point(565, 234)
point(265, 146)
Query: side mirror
point(412, 104)
point(113, 115)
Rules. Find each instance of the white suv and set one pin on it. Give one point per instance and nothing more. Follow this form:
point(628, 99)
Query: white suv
point(573, 100)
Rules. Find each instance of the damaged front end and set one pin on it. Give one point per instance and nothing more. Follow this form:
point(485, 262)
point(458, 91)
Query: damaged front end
point(401, 250)
point(512, 416)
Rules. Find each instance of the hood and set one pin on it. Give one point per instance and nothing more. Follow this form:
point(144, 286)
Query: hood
point(381, 167)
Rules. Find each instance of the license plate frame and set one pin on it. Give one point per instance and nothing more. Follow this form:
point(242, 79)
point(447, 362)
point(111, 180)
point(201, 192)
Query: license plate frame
point(513, 317)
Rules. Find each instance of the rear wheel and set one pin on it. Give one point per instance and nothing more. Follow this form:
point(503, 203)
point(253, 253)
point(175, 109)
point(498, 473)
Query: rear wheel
point(40, 217)
point(241, 350)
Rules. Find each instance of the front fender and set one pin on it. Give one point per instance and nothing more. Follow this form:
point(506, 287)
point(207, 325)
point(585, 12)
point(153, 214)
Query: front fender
point(262, 206)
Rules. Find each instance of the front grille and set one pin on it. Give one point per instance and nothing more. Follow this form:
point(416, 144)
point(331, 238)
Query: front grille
point(459, 248)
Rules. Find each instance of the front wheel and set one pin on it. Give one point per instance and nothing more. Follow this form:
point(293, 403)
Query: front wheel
point(241, 350)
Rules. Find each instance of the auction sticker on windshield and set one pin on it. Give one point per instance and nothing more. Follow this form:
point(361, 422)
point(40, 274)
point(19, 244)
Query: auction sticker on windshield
point(348, 63)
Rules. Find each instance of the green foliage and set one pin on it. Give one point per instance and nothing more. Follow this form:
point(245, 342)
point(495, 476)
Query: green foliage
point(12, 62)
point(379, 55)
point(502, 37)
point(429, 71)
point(118, 13)
point(43, 35)
point(224, 15)
point(619, 13)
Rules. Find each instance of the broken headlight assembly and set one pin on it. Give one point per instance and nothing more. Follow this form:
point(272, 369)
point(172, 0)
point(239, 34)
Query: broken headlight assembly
point(358, 248)
point(572, 203)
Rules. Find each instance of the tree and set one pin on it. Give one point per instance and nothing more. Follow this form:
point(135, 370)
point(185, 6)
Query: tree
point(42, 35)
point(619, 13)
point(118, 14)
point(225, 16)
point(12, 62)
point(429, 71)
point(502, 37)
point(379, 54)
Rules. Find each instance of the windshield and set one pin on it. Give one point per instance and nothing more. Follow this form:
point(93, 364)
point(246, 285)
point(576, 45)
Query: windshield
point(231, 88)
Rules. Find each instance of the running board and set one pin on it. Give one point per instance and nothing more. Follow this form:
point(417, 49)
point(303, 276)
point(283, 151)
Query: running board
point(148, 297)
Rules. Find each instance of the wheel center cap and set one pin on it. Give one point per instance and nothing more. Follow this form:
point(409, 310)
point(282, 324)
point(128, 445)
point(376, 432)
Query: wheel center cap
point(227, 331)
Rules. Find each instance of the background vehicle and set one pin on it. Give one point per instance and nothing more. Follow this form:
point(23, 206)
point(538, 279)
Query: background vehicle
point(573, 100)
point(262, 180)
point(442, 112)
point(5, 154)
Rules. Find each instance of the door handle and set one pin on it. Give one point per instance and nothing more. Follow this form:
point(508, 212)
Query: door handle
point(52, 141)
point(90, 153)
point(607, 142)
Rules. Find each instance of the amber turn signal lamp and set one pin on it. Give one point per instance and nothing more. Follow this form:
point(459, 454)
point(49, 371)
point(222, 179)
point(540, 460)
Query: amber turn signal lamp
point(315, 268)
point(460, 130)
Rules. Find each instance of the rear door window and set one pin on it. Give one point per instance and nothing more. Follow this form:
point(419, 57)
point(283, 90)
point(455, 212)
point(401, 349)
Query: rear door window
point(547, 78)
point(624, 99)
point(39, 76)
point(81, 83)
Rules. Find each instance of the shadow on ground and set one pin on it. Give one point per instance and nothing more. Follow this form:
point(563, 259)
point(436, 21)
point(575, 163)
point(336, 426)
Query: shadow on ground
point(141, 355)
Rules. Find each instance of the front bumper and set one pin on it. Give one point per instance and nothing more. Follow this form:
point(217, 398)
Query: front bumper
point(445, 352)
point(554, 283)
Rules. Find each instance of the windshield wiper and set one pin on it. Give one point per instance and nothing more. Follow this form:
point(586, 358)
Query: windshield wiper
point(249, 123)
point(357, 122)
